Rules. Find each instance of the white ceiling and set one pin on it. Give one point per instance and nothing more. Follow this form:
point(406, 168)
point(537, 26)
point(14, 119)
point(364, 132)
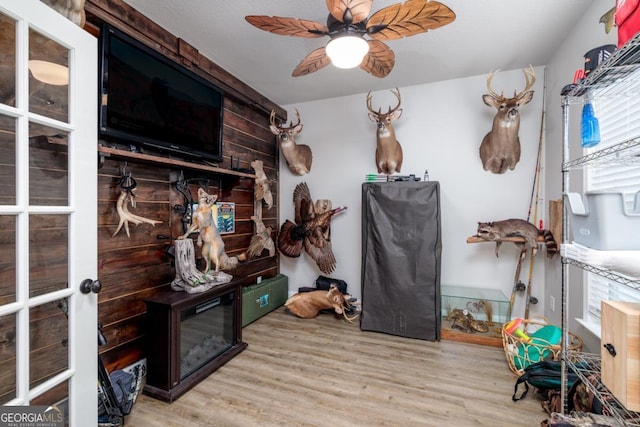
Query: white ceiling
point(486, 35)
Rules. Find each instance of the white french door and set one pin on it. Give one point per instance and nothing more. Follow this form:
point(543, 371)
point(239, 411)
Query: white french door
point(48, 237)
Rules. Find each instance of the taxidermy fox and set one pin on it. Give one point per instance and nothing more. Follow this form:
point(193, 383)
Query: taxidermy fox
point(209, 238)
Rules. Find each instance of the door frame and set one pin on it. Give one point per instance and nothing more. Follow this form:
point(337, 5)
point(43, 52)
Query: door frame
point(81, 210)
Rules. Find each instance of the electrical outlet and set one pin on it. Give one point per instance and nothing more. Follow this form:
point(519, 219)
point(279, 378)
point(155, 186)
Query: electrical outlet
point(259, 280)
point(552, 303)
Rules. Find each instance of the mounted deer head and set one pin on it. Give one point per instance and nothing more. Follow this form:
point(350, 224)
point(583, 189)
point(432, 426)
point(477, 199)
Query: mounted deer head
point(388, 150)
point(500, 148)
point(298, 157)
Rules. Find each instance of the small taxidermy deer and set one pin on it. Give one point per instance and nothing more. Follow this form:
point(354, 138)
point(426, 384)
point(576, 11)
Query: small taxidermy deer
point(388, 150)
point(308, 305)
point(500, 148)
point(298, 156)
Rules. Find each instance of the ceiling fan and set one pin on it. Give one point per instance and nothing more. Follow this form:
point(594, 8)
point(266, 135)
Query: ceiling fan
point(350, 28)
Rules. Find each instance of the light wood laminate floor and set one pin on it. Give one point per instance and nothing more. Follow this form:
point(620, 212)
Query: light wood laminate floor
point(327, 372)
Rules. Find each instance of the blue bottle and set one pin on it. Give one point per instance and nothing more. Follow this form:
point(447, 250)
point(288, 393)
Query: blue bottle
point(590, 127)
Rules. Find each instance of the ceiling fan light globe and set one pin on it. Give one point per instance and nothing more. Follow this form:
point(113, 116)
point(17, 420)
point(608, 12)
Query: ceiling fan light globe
point(347, 51)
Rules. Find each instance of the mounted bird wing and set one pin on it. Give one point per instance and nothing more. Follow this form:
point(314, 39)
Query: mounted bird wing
point(322, 255)
point(303, 204)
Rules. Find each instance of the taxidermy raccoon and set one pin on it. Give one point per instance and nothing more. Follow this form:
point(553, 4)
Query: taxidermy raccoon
point(497, 230)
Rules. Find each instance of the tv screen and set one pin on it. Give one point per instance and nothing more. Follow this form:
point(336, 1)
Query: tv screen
point(150, 101)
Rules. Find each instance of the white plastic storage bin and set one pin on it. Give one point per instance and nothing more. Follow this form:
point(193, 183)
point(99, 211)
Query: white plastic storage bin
point(601, 221)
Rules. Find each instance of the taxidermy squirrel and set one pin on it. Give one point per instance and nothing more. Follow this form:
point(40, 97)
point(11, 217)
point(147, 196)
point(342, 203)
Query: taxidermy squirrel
point(262, 187)
point(497, 230)
point(209, 238)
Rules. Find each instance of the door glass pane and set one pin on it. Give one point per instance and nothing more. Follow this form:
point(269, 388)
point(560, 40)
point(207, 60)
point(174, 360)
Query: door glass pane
point(49, 341)
point(58, 398)
point(7, 60)
point(7, 159)
point(48, 166)
point(48, 252)
point(48, 77)
point(7, 260)
point(7, 358)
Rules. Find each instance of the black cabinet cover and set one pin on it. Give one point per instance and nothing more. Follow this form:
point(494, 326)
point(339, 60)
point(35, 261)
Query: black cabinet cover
point(401, 250)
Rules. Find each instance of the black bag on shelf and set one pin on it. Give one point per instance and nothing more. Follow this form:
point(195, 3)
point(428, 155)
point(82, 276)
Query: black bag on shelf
point(322, 283)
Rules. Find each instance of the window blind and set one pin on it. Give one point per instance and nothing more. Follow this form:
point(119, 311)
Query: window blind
point(619, 118)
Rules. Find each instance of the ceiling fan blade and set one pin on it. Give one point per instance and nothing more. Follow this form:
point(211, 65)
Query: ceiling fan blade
point(288, 26)
point(360, 9)
point(312, 62)
point(409, 18)
point(380, 60)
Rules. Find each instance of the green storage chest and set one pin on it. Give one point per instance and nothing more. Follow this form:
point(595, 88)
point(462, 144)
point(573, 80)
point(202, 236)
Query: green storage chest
point(264, 297)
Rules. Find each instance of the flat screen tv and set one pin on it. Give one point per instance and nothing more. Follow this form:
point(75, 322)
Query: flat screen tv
point(149, 101)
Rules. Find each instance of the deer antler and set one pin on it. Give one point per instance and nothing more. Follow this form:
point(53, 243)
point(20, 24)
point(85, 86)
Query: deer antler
point(369, 107)
point(272, 121)
point(126, 216)
point(491, 91)
point(528, 83)
point(530, 79)
point(396, 92)
point(291, 125)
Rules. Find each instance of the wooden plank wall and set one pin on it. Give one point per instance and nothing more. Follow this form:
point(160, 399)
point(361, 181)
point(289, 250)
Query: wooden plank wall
point(137, 267)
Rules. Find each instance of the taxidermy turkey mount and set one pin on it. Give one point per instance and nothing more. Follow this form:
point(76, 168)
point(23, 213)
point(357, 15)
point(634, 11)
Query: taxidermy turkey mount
point(351, 18)
point(310, 230)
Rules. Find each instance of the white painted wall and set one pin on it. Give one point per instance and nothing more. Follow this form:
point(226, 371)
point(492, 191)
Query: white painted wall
point(441, 129)
point(587, 34)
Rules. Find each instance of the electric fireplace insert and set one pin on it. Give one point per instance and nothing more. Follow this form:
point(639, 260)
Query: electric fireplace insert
point(189, 337)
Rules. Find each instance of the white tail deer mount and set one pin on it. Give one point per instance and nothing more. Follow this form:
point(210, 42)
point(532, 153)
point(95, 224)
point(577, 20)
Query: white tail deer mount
point(500, 148)
point(298, 156)
point(388, 150)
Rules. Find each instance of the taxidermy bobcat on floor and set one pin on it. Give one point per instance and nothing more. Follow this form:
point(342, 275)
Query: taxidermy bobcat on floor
point(497, 230)
point(209, 238)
